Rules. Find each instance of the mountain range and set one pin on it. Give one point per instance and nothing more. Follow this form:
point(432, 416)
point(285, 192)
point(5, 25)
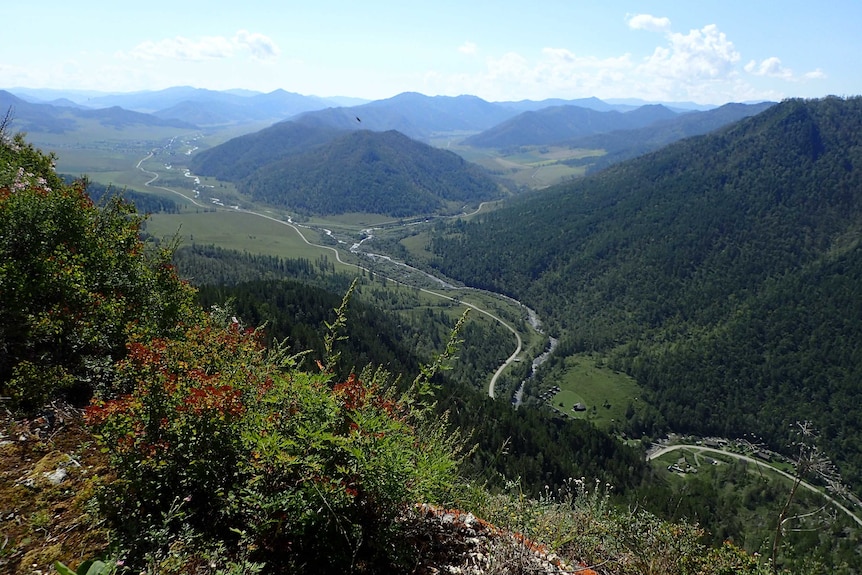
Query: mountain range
point(54, 119)
point(558, 123)
point(193, 106)
point(413, 114)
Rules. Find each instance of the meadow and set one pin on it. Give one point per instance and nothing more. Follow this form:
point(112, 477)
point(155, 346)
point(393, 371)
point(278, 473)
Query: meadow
point(530, 167)
point(584, 379)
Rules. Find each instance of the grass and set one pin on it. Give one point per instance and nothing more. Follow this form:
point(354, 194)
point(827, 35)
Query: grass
point(527, 166)
point(239, 231)
point(605, 393)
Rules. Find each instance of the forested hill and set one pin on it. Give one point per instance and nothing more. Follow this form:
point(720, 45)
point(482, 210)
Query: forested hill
point(623, 145)
point(374, 172)
point(240, 157)
point(722, 271)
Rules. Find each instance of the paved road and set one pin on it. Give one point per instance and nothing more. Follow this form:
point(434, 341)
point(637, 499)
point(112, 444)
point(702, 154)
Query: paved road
point(805, 484)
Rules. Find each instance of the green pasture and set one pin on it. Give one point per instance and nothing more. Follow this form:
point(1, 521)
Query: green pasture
point(604, 392)
point(416, 245)
point(351, 220)
point(528, 166)
point(549, 174)
point(240, 231)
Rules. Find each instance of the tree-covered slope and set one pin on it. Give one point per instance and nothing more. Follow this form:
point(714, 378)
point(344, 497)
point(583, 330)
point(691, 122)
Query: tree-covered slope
point(719, 271)
point(241, 156)
point(621, 145)
point(385, 173)
point(299, 311)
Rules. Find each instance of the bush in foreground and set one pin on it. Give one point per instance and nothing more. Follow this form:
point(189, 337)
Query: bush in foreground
point(232, 444)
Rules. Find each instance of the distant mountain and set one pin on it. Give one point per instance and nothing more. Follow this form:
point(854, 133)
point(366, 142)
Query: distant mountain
point(372, 172)
point(46, 95)
point(558, 123)
point(622, 145)
point(227, 108)
point(415, 115)
point(30, 117)
point(632, 103)
point(66, 103)
point(190, 105)
point(723, 272)
point(590, 103)
point(151, 101)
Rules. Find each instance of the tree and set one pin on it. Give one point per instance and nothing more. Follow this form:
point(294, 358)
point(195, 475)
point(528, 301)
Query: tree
point(75, 282)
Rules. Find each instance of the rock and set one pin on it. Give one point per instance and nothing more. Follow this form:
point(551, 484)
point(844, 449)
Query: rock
point(57, 476)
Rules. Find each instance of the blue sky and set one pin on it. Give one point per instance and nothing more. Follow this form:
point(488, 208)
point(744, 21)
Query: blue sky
point(702, 51)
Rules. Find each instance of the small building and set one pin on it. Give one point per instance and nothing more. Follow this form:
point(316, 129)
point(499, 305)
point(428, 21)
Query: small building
point(579, 407)
point(760, 454)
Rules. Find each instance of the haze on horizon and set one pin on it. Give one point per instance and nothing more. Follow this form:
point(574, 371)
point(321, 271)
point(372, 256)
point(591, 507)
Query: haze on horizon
point(707, 52)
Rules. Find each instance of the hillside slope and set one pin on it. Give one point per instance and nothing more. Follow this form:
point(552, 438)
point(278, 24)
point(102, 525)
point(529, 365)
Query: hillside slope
point(239, 157)
point(720, 271)
point(372, 172)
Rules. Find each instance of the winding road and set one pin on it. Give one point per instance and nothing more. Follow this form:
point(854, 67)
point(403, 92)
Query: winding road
point(805, 484)
point(296, 228)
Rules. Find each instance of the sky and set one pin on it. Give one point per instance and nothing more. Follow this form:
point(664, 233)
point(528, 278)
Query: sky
point(700, 51)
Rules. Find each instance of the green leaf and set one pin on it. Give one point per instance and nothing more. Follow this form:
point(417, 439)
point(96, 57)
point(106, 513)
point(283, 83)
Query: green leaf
point(93, 568)
point(62, 569)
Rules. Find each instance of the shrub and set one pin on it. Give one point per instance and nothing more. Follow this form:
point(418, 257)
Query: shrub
point(75, 281)
point(243, 446)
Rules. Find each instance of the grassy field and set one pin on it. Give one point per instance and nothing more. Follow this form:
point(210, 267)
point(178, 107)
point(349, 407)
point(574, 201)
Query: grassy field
point(605, 393)
point(527, 166)
point(238, 231)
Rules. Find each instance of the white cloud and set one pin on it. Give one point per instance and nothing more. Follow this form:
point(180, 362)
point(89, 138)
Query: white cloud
point(468, 48)
point(698, 55)
point(180, 48)
point(261, 47)
point(701, 65)
point(557, 71)
point(773, 68)
point(207, 47)
point(649, 22)
point(770, 67)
